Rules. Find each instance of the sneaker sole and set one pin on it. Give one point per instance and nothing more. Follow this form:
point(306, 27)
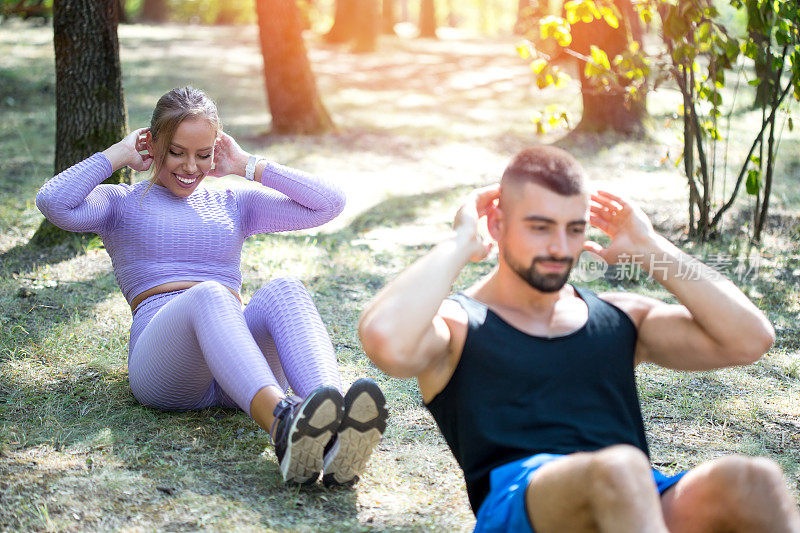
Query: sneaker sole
point(362, 426)
point(311, 430)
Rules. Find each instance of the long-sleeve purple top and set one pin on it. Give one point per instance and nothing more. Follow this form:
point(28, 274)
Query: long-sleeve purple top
point(155, 237)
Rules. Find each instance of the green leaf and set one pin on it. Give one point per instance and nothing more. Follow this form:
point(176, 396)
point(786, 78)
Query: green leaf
point(753, 183)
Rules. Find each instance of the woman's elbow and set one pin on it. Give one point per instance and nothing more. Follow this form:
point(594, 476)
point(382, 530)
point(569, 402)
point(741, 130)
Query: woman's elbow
point(336, 205)
point(46, 204)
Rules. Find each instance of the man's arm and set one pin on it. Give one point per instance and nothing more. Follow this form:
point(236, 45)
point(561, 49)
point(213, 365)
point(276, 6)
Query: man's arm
point(716, 325)
point(403, 329)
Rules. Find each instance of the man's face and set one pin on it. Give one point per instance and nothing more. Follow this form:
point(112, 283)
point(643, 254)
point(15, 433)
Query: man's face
point(540, 233)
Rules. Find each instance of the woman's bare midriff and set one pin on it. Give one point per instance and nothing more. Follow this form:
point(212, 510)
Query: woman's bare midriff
point(169, 287)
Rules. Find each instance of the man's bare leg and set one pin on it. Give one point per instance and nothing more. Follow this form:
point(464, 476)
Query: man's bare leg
point(736, 494)
point(610, 490)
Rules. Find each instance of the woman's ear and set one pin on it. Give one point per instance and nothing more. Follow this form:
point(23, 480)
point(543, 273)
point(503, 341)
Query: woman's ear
point(149, 144)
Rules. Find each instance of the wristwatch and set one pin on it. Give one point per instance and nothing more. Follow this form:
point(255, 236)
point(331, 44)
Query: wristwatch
point(250, 168)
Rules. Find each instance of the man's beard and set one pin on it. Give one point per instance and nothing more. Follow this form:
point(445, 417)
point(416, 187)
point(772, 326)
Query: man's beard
point(542, 282)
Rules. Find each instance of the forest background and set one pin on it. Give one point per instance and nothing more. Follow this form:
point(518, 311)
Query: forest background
point(414, 123)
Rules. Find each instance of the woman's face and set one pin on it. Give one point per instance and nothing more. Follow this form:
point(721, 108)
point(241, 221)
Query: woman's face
point(189, 157)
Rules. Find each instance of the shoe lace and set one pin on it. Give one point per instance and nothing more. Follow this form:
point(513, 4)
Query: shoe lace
point(283, 411)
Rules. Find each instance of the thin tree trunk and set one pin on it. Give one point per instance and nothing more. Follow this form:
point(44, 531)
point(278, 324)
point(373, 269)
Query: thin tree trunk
point(344, 22)
point(367, 26)
point(154, 11)
point(389, 17)
point(123, 14)
point(90, 105)
point(291, 87)
point(427, 19)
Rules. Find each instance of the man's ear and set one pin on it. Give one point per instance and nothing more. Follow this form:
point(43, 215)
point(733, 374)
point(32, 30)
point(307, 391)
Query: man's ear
point(495, 222)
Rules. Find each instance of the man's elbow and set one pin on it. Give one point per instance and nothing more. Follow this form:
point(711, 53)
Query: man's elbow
point(758, 342)
point(381, 347)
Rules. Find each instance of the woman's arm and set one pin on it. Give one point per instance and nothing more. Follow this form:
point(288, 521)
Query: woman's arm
point(290, 199)
point(74, 200)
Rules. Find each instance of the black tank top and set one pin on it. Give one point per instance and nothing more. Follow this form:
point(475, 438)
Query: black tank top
point(513, 395)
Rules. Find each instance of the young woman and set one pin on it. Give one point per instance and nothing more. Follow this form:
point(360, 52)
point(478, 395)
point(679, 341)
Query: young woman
point(176, 249)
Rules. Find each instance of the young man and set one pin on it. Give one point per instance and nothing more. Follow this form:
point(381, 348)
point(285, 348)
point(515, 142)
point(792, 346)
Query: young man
point(531, 380)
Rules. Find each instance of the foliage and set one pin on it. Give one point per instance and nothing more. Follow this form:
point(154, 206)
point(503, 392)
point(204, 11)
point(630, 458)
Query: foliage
point(699, 51)
point(26, 8)
point(702, 51)
point(212, 11)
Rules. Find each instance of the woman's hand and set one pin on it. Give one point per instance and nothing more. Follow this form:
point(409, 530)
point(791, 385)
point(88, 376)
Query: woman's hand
point(126, 152)
point(229, 158)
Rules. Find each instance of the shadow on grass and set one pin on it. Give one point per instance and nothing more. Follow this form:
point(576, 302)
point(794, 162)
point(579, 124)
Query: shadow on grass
point(27, 257)
point(137, 458)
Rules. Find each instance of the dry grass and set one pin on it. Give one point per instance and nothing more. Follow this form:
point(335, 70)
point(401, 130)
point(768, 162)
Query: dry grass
point(421, 123)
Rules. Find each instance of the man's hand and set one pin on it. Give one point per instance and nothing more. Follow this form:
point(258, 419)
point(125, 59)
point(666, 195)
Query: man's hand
point(628, 226)
point(477, 205)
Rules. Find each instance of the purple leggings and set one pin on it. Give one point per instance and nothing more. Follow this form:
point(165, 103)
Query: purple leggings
point(197, 348)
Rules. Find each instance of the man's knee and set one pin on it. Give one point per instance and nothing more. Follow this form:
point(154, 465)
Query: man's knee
point(617, 470)
point(738, 479)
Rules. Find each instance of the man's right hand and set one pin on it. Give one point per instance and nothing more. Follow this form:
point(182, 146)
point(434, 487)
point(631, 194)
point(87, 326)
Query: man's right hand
point(477, 205)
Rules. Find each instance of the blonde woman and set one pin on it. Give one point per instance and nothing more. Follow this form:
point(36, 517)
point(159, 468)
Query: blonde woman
point(175, 250)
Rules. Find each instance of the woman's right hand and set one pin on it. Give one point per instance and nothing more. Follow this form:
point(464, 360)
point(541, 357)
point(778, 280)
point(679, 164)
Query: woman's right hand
point(126, 152)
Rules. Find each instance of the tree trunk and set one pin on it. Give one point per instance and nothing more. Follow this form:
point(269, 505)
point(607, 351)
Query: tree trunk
point(344, 22)
point(609, 110)
point(389, 17)
point(367, 26)
point(90, 105)
point(520, 27)
point(291, 88)
point(123, 14)
point(427, 19)
point(154, 11)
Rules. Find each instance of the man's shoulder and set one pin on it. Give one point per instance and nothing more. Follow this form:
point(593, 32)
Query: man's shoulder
point(636, 306)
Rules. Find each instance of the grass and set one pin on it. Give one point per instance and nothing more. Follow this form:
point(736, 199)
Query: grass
point(420, 124)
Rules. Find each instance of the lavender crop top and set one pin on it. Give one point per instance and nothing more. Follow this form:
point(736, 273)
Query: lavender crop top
point(157, 237)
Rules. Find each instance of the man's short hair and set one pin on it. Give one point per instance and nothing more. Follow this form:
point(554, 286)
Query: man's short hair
point(552, 168)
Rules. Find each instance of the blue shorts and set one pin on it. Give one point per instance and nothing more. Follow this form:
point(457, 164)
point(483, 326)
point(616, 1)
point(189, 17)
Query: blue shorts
point(504, 508)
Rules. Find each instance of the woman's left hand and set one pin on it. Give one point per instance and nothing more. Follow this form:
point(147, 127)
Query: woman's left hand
point(229, 158)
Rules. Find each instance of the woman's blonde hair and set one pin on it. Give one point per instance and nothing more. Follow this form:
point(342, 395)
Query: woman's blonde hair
point(173, 108)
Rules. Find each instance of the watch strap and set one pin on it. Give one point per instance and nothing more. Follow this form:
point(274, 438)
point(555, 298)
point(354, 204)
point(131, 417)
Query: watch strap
point(250, 168)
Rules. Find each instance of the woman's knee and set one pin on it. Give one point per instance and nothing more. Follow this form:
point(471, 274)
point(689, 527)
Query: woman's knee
point(209, 291)
point(276, 288)
point(285, 284)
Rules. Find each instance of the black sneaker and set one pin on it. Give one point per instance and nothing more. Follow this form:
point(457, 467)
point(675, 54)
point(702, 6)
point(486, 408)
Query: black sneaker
point(302, 430)
point(363, 424)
